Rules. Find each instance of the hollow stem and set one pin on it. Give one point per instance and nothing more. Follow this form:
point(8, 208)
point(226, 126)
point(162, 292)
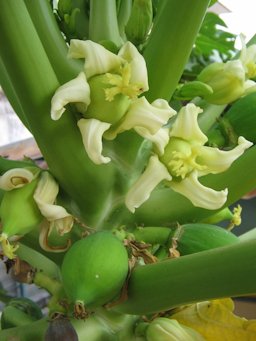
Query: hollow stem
point(223, 272)
point(174, 32)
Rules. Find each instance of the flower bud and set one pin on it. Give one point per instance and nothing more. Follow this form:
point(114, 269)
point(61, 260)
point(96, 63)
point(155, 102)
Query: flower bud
point(140, 21)
point(227, 81)
point(193, 89)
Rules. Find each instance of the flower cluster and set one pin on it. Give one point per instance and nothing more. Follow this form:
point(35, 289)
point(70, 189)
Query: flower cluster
point(106, 93)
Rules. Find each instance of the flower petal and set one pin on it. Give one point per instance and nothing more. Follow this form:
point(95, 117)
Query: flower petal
point(75, 91)
point(142, 114)
point(159, 139)
point(186, 125)
point(138, 65)
point(46, 228)
point(199, 195)
point(142, 188)
point(98, 60)
point(45, 196)
point(218, 161)
point(92, 131)
point(16, 178)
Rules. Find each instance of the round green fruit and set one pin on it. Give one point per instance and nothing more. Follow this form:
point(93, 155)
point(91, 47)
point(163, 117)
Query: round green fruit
point(94, 269)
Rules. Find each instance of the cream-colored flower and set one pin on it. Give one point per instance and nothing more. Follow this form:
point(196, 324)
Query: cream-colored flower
point(185, 159)
point(106, 94)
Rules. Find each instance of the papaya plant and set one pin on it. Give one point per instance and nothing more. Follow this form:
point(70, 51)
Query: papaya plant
point(123, 228)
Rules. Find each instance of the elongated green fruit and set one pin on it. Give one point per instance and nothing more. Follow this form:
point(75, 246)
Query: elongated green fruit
point(188, 238)
point(20, 311)
point(18, 211)
point(199, 237)
point(94, 269)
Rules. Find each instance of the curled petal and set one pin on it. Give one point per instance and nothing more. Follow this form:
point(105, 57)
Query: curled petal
point(98, 60)
point(45, 231)
point(138, 65)
point(16, 178)
point(186, 125)
point(45, 196)
point(159, 139)
point(92, 131)
point(75, 91)
point(218, 161)
point(142, 188)
point(142, 114)
point(199, 195)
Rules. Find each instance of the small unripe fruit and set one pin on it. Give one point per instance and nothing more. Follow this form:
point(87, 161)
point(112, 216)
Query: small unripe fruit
point(94, 270)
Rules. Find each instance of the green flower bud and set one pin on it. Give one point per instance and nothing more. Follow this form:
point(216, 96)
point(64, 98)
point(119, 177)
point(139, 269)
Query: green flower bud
point(193, 89)
point(140, 21)
point(165, 329)
point(227, 81)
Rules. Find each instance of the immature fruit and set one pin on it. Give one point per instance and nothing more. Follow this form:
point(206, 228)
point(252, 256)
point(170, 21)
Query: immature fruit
point(199, 237)
point(94, 270)
point(18, 211)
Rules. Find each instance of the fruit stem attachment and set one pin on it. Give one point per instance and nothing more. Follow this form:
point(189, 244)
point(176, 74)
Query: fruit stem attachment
point(54, 288)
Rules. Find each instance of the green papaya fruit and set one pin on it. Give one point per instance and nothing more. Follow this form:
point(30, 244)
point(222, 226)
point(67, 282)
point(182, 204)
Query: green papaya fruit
point(94, 269)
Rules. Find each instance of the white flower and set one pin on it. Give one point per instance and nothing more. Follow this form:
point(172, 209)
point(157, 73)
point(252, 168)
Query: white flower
point(185, 159)
point(106, 94)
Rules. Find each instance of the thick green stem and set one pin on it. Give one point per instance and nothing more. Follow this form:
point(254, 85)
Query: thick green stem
point(35, 331)
point(223, 272)
point(52, 40)
point(28, 67)
point(176, 26)
point(103, 22)
point(123, 15)
point(38, 261)
point(92, 329)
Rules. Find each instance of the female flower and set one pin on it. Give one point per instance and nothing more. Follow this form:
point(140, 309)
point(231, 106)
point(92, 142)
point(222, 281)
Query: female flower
point(106, 94)
point(29, 202)
point(184, 160)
